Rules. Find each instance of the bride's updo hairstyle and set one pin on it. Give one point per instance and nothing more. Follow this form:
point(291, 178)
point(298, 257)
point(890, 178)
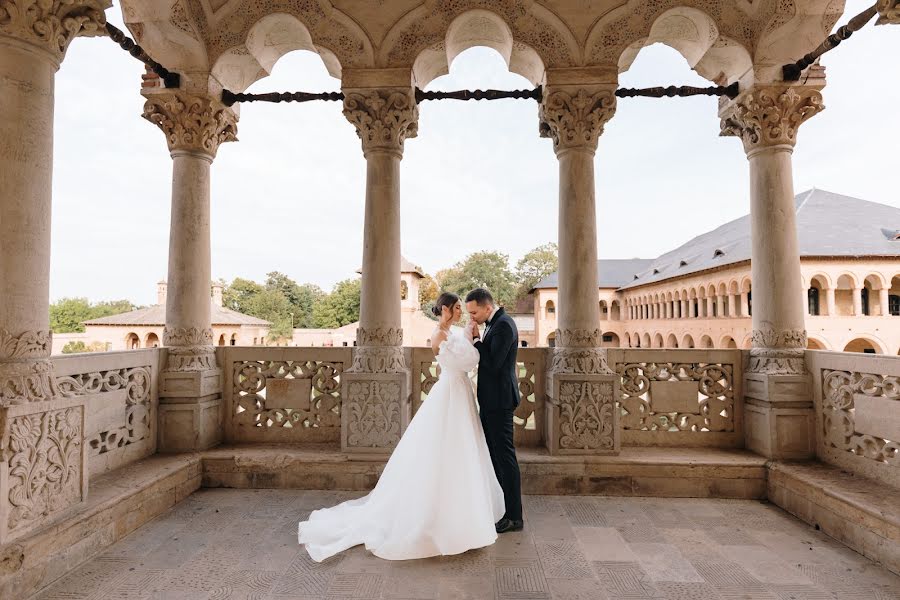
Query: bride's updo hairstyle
point(448, 299)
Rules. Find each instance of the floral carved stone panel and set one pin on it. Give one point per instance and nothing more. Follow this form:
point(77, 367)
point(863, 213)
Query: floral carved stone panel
point(45, 466)
point(587, 416)
point(373, 414)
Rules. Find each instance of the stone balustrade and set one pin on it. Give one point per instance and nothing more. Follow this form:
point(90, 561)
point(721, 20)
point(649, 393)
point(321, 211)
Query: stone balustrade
point(857, 410)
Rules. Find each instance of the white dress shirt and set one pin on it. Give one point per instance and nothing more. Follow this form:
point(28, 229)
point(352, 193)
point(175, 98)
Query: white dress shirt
point(487, 327)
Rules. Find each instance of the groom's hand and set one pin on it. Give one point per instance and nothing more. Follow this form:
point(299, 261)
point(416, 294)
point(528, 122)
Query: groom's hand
point(473, 328)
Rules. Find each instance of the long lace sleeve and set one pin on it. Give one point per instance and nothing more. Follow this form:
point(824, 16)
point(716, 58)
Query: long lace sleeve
point(458, 353)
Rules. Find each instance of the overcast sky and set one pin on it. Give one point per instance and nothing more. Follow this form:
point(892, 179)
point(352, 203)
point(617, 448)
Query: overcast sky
point(289, 195)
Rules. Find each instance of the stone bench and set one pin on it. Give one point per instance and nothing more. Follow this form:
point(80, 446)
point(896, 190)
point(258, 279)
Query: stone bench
point(118, 502)
point(864, 514)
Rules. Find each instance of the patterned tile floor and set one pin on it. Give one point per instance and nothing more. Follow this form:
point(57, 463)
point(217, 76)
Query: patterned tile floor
point(221, 544)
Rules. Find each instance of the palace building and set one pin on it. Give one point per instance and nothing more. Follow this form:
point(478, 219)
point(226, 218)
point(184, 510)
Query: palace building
point(700, 295)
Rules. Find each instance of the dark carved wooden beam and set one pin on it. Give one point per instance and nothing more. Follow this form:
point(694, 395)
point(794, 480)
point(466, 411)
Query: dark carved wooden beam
point(229, 98)
point(680, 91)
point(171, 80)
point(792, 71)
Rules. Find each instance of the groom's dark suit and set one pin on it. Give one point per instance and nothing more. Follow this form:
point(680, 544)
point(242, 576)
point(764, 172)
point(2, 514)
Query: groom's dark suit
point(498, 397)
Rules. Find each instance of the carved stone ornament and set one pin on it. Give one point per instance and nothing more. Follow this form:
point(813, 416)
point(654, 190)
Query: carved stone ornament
point(578, 352)
point(26, 381)
point(45, 465)
point(28, 344)
point(778, 352)
point(373, 409)
point(888, 12)
point(25, 373)
point(575, 120)
point(379, 336)
point(771, 116)
point(190, 349)
point(378, 359)
point(53, 24)
point(192, 123)
point(383, 118)
point(586, 415)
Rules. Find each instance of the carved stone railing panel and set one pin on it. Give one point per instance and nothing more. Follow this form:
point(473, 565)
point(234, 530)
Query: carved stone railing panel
point(529, 423)
point(857, 404)
point(122, 399)
point(283, 394)
point(680, 397)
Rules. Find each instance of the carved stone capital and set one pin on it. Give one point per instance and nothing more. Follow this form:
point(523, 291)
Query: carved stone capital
point(383, 118)
point(778, 352)
point(578, 338)
point(50, 25)
point(888, 12)
point(189, 349)
point(191, 123)
point(770, 116)
point(574, 119)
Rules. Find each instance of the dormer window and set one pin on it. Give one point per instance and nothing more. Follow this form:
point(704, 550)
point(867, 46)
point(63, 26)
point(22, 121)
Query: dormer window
point(896, 236)
point(682, 264)
point(718, 253)
point(635, 277)
point(656, 271)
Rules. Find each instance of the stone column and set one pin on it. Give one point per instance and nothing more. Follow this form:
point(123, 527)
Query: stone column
point(581, 386)
point(857, 302)
point(884, 301)
point(720, 307)
point(43, 457)
point(190, 411)
point(377, 386)
point(829, 302)
point(779, 421)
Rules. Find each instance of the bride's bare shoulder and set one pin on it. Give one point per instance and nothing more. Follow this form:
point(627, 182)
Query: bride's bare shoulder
point(437, 337)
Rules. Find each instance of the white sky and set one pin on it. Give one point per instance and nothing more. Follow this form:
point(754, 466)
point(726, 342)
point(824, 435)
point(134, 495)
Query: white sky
point(289, 195)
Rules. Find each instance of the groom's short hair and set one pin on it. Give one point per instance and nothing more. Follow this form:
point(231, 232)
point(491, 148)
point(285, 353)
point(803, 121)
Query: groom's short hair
point(481, 296)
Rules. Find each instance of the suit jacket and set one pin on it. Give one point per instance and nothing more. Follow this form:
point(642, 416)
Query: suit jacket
point(498, 380)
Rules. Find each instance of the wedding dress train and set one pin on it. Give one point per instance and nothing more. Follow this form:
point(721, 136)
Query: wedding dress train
point(438, 494)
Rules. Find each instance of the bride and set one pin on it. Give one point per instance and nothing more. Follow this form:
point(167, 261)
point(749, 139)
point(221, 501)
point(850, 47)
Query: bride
point(438, 494)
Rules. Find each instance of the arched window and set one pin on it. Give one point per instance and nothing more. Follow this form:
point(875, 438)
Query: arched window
point(750, 303)
point(864, 293)
point(812, 298)
point(551, 308)
point(894, 305)
point(404, 290)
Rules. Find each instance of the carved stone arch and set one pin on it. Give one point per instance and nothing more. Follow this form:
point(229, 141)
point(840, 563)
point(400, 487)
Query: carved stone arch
point(794, 28)
point(688, 27)
point(168, 31)
point(721, 289)
point(333, 34)
point(823, 279)
point(477, 27)
point(745, 285)
point(425, 29)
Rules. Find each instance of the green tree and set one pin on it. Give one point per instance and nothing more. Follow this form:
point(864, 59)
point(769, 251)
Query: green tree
point(272, 306)
point(74, 347)
point(428, 293)
point(482, 269)
point(302, 297)
point(535, 265)
point(340, 307)
point(111, 307)
point(240, 293)
point(68, 314)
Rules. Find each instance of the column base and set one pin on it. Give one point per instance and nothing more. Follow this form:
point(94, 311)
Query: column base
point(779, 417)
point(582, 416)
point(375, 411)
point(190, 410)
point(43, 472)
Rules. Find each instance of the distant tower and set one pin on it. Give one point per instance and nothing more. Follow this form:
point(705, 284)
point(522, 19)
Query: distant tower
point(161, 289)
point(410, 277)
point(217, 290)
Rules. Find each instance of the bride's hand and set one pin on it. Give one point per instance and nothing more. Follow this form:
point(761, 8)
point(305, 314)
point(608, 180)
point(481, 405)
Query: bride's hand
point(446, 318)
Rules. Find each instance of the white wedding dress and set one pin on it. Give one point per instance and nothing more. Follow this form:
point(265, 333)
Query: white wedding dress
point(438, 494)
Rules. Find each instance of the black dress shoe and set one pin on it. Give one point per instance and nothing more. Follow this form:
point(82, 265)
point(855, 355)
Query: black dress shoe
point(504, 525)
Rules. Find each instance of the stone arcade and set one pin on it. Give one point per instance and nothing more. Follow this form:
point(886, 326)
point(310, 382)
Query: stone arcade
point(95, 446)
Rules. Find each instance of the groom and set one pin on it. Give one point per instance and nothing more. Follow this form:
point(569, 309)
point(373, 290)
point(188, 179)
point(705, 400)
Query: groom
point(498, 396)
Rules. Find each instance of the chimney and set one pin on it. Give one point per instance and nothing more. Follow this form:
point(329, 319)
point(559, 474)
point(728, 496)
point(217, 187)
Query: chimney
point(217, 290)
point(161, 288)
